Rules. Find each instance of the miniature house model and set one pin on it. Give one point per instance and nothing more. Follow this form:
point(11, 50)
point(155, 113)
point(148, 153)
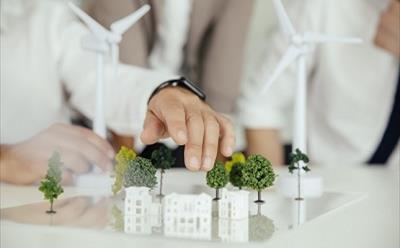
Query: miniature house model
point(187, 216)
point(141, 214)
point(233, 204)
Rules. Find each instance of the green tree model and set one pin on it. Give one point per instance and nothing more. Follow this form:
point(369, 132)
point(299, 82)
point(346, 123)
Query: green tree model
point(258, 174)
point(217, 178)
point(140, 173)
point(236, 175)
point(123, 157)
point(162, 159)
point(297, 158)
point(51, 185)
point(237, 157)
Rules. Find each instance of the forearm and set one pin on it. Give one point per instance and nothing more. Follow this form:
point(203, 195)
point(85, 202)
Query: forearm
point(266, 142)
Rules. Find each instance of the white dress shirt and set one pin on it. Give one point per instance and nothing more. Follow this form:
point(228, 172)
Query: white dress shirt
point(350, 87)
point(44, 68)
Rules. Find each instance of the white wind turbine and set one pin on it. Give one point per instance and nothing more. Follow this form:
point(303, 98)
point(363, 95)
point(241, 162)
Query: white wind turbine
point(100, 42)
point(299, 44)
point(296, 52)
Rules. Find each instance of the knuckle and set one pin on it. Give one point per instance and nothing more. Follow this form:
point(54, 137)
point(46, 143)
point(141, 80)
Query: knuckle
point(194, 146)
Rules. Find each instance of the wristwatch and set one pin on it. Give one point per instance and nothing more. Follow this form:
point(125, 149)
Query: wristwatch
point(180, 82)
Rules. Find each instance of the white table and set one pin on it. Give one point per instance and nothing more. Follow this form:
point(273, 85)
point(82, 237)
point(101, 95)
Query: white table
point(370, 222)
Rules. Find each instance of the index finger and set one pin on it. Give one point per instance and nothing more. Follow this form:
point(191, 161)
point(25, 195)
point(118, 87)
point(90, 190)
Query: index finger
point(174, 117)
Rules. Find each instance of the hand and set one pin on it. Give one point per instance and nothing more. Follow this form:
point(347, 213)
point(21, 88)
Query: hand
point(388, 33)
point(176, 112)
point(80, 148)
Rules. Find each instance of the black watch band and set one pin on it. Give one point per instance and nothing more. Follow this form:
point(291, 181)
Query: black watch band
point(181, 82)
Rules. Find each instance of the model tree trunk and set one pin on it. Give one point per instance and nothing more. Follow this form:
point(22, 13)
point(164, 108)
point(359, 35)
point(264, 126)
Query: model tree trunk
point(298, 198)
point(259, 198)
point(51, 211)
point(216, 194)
point(161, 182)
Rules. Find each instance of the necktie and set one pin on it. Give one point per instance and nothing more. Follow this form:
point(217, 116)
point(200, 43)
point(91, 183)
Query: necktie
point(391, 136)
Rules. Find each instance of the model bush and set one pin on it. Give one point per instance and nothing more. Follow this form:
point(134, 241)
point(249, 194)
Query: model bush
point(123, 157)
point(162, 159)
point(258, 174)
point(140, 172)
point(51, 185)
point(217, 178)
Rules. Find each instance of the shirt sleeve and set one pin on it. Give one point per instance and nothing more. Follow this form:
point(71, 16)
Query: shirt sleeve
point(272, 109)
point(126, 95)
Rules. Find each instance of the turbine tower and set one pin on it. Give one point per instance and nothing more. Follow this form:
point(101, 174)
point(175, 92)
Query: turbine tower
point(298, 48)
point(99, 41)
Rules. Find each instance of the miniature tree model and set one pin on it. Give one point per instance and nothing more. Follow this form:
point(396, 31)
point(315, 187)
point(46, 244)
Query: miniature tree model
point(123, 157)
point(50, 186)
point(140, 173)
point(237, 157)
point(217, 178)
point(258, 174)
point(236, 175)
point(162, 159)
point(296, 159)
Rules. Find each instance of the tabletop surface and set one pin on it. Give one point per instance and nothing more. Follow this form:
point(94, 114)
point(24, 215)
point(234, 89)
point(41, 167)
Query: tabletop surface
point(363, 212)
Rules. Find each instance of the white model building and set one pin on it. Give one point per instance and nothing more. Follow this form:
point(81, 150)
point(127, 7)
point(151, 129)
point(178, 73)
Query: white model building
point(233, 230)
point(141, 214)
point(187, 216)
point(233, 204)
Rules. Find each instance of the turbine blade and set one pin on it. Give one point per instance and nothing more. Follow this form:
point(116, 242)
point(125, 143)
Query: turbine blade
point(98, 30)
point(325, 38)
point(284, 21)
point(122, 25)
point(289, 57)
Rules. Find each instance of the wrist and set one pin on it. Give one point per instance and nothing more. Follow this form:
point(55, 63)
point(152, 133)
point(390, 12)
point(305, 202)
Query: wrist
point(181, 83)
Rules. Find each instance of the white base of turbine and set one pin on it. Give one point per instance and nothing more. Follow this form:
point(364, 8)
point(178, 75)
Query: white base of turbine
point(311, 186)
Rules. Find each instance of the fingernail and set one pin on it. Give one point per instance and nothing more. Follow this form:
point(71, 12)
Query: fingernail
point(229, 151)
point(182, 136)
point(194, 163)
point(207, 163)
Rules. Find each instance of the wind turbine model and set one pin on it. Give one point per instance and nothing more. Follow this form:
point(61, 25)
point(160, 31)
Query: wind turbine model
point(99, 42)
point(298, 49)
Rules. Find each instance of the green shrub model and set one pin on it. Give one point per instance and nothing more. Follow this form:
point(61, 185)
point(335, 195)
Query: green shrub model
point(123, 157)
point(217, 178)
point(140, 173)
point(162, 159)
point(51, 185)
point(296, 158)
point(236, 175)
point(258, 174)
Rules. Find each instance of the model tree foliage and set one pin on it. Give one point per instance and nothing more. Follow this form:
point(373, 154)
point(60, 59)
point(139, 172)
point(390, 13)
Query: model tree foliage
point(140, 172)
point(237, 157)
point(51, 185)
point(162, 159)
point(258, 174)
point(236, 175)
point(295, 159)
point(217, 178)
point(123, 157)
